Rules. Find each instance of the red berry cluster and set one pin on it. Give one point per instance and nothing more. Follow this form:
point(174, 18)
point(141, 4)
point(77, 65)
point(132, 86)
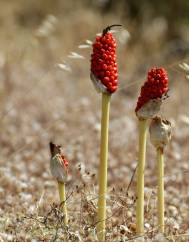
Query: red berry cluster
point(65, 161)
point(103, 61)
point(155, 86)
point(57, 149)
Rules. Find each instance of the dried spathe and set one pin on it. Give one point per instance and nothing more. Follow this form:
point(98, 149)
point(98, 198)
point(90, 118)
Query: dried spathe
point(160, 132)
point(58, 168)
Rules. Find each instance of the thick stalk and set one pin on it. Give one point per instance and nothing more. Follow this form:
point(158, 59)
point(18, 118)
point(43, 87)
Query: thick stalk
point(160, 200)
point(103, 167)
point(62, 194)
point(140, 176)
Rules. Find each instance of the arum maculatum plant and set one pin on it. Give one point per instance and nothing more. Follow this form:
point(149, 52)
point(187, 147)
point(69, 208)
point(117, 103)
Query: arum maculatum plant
point(160, 135)
point(104, 76)
point(152, 94)
point(59, 170)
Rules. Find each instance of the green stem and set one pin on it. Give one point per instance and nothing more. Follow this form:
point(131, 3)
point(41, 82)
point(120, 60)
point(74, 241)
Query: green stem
point(103, 167)
point(160, 201)
point(140, 176)
point(62, 194)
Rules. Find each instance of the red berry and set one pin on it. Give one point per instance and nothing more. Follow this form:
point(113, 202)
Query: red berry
point(106, 80)
point(107, 73)
point(65, 161)
point(104, 66)
point(104, 56)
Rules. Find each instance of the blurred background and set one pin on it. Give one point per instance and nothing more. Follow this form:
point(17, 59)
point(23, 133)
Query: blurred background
point(46, 94)
point(43, 33)
point(49, 30)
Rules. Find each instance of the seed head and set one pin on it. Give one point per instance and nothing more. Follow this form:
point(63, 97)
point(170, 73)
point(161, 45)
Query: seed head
point(152, 93)
point(58, 163)
point(160, 132)
point(104, 73)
